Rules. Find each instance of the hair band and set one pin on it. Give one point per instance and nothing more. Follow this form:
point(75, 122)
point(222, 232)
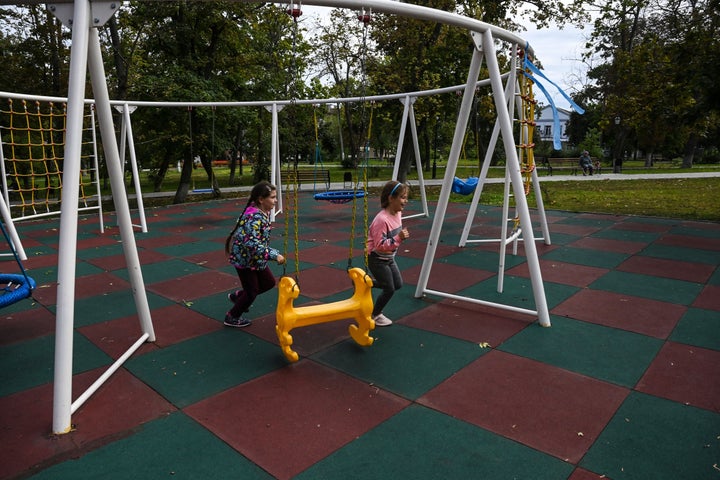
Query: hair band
point(394, 188)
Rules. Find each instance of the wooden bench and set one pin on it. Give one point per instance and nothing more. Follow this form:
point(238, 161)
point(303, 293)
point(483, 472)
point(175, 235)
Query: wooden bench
point(553, 164)
point(319, 177)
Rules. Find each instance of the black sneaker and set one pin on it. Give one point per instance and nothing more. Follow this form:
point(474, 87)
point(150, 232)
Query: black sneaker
point(231, 321)
point(234, 295)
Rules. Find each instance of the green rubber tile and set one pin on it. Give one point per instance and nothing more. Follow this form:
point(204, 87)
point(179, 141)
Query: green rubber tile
point(627, 235)
point(29, 364)
point(715, 278)
point(403, 360)
point(646, 286)
point(584, 256)
point(650, 438)
point(174, 447)
point(190, 371)
point(697, 231)
point(433, 445)
point(682, 253)
point(597, 351)
point(698, 327)
point(558, 238)
point(100, 251)
point(190, 248)
point(45, 275)
point(111, 306)
point(216, 306)
point(518, 292)
point(165, 270)
point(481, 259)
point(591, 221)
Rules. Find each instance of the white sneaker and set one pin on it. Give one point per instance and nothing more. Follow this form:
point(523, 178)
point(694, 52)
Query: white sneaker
point(381, 320)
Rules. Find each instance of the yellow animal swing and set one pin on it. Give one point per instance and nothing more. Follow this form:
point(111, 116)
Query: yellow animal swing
point(358, 307)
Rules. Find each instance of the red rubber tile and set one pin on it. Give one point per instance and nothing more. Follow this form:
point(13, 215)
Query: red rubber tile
point(320, 282)
point(689, 241)
point(609, 245)
point(195, 285)
point(530, 402)
point(709, 298)
point(118, 407)
point(172, 324)
point(675, 269)
point(169, 240)
point(641, 226)
point(685, 374)
point(288, 420)
point(447, 277)
point(26, 324)
point(85, 287)
point(569, 229)
point(581, 474)
point(467, 321)
point(560, 272)
point(635, 314)
point(324, 255)
point(116, 262)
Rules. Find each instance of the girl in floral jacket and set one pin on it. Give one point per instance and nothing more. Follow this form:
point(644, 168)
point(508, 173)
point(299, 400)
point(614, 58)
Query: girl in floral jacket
point(248, 249)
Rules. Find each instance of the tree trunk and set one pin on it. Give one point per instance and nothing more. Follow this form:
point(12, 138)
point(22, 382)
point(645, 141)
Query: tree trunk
point(689, 153)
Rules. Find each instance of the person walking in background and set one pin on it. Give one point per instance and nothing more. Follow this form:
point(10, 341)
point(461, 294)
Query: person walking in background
point(384, 237)
point(586, 163)
point(248, 249)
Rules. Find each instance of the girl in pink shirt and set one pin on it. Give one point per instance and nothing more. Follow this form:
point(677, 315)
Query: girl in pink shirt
point(384, 237)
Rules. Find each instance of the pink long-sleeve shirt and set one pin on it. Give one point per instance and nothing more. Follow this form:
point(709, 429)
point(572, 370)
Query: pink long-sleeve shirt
point(384, 233)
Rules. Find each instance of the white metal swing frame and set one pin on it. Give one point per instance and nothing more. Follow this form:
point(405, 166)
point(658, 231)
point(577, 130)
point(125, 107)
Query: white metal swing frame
point(84, 16)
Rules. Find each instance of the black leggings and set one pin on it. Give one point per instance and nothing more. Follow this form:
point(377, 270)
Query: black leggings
point(254, 282)
point(386, 276)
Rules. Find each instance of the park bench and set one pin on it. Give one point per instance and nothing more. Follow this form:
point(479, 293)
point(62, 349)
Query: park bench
point(571, 164)
point(316, 177)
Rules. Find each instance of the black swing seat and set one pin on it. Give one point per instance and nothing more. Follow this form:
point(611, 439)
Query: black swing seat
point(14, 288)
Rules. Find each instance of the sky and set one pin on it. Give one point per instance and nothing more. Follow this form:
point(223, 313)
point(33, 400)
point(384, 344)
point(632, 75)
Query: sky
point(557, 50)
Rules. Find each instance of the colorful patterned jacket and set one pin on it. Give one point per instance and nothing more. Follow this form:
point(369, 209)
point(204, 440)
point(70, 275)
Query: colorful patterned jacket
point(251, 242)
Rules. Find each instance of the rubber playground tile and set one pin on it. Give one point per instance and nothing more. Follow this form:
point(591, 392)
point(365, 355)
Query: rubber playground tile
point(296, 416)
point(212, 260)
point(647, 286)
point(85, 286)
point(627, 234)
point(598, 220)
point(683, 254)
point(584, 256)
point(435, 445)
point(685, 374)
point(650, 437)
point(157, 272)
point(582, 474)
point(698, 327)
point(104, 250)
point(573, 230)
point(98, 242)
point(518, 292)
point(111, 306)
point(172, 324)
point(709, 298)
point(180, 249)
point(710, 243)
point(112, 412)
point(596, 351)
point(529, 402)
point(172, 446)
point(47, 276)
point(406, 361)
point(22, 325)
point(561, 272)
point(635, 314)
point(188, 287)
point(609, 245)
point(715, 278)
point(675, 269)
point(470, 322)
point(324, 254)
point(480, 259)
point(117, 262)
point(34, 359)
point(322, 281)
point(642, 225)
point(446, 277)
point(195, 369)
